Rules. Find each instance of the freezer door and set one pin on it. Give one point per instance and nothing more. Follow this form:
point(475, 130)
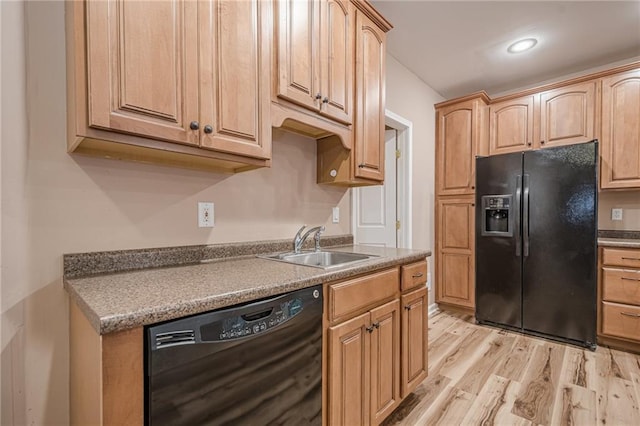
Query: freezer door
point(498, 261)
point(559, 242)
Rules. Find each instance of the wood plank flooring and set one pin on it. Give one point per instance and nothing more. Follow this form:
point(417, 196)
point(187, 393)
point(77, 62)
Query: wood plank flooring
point(480, 375)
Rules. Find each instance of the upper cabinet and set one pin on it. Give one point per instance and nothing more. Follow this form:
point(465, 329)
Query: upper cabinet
point(363, 164)
point(461, 130)
point(169, 82)
point(568, 115)
point(511, 125)
point(315, 56)
point(620, 140)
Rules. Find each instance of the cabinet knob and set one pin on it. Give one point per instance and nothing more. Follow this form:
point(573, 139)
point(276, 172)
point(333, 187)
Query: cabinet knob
point(542, 142)
point(325, 100)
point(333, 173)
point(318, 96)
point(473, 187)
point(194, 125)
point(529, 143)
point(376, 324)
point(369, 329)
point(407, 308)
point(208, 129)
point(361, 165)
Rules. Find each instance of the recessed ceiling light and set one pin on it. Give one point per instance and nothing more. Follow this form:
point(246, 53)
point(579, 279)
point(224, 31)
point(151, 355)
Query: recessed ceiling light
point(522, 45)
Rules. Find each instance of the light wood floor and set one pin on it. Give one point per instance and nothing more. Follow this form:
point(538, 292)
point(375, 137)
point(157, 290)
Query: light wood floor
point(484, 375)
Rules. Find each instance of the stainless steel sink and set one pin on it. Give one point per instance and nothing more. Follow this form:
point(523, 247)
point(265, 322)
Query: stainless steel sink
point(320, 259)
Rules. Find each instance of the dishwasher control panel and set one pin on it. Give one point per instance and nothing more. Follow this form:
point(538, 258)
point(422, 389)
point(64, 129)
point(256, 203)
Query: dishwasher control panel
point(251, 323)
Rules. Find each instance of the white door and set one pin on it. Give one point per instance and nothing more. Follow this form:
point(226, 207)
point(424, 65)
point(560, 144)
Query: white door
point(375, 206)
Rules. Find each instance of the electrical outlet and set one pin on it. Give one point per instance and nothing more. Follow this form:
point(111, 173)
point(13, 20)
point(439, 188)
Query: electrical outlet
point(205, 215)
point(616, 214)
point(336, 215)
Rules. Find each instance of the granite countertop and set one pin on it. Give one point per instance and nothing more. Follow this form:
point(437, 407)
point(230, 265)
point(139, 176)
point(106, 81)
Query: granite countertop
point(624, 239)
point(123, 300)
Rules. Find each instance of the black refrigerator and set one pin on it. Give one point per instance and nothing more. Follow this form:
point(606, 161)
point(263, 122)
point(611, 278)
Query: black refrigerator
point(536, 237)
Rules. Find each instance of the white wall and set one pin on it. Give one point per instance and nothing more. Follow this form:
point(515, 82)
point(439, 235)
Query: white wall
point(412, 99)
point(55, 203)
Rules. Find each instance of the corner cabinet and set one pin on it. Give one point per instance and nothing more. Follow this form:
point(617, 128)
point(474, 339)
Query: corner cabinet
point(620, 140)
point(166, 82)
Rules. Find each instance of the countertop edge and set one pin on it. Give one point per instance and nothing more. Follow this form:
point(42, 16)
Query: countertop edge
point(142, 317)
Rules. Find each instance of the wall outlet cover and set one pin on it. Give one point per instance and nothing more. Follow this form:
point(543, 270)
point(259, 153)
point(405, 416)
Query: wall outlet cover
point(616, 214)
point(336, 215)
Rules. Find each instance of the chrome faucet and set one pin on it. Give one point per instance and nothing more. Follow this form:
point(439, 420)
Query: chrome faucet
point(300, 238)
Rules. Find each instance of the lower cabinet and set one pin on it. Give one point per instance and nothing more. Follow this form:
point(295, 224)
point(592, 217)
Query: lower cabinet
point(414, 339)
point(377, 355)
point(364, 367)
point(619, 297)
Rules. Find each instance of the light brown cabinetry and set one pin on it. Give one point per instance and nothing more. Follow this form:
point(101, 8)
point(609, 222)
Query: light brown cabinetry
point(620, 138)
point(619, 297)
point(568, 115)
point(455, 246)
point(364, 163)
point(511, 125)
point(364, 352)
point(414, 339)
point(376, 343)
point(315, 55)
point(166, 82)
point(461, 132)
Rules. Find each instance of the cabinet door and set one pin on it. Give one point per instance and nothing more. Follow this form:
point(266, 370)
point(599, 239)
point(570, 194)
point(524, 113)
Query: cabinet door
point(620, 141)
point(511, 126)
point(298, 51)
point(370, 91)
point(568, 115)
point(349, 372)
point(385, 360)
point(142, 65)
point(455, 245)
point(456, 144)
point(336, 59)
point(235, 77)
point(414, 339)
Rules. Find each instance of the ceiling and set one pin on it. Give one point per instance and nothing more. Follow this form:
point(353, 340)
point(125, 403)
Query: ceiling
point(460, 47)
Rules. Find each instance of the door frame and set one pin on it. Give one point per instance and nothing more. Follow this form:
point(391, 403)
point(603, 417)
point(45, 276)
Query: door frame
point(404, 185)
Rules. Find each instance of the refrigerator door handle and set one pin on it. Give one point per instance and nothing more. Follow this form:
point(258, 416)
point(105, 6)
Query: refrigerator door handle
point(525, 215)
point(517, 215)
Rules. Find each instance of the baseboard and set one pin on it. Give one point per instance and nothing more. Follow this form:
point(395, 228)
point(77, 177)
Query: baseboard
point(433, 309)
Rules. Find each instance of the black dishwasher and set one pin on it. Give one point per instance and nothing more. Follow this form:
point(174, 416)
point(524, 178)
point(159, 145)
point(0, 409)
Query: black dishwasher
point(253, 364)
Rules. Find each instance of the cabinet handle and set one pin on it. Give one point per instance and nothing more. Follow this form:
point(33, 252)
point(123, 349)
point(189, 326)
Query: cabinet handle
point(418, 275)
point(629, 314)
point(376, 324)
point(360, 165)
point(630, 279)
point(194, 125)
point(631, 258)
point(407, 307)
point(208, 129)
point(318, 96)
point(369, 329)
point(325, 100)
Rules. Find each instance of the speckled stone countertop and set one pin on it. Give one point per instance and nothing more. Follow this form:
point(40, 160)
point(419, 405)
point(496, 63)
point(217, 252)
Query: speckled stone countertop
point(625, 239)
point(124, 300)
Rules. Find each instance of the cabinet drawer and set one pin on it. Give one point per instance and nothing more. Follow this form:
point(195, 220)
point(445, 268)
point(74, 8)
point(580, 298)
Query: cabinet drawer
point(349, 297)
point(621, 285)
point(621, 257)
point(413, 275)
point(621, 320)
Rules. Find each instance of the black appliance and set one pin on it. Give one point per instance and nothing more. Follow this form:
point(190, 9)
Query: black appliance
point(254, 364)
point(536, 237)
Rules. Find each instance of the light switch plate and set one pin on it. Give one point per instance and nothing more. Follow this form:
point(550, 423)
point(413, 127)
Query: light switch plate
point(616, 214)
point(336, 215)
point(205, 215)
